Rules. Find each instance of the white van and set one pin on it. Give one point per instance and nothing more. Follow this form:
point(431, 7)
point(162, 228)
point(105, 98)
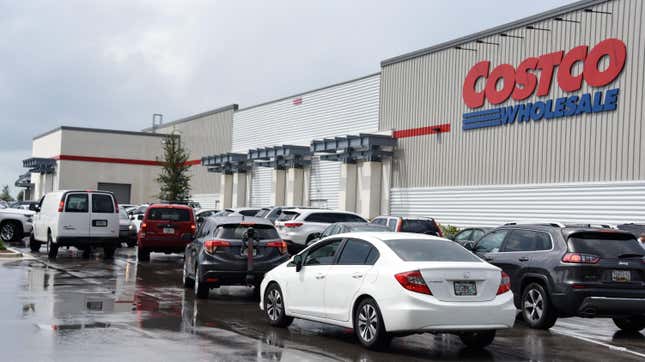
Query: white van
point(78, 218)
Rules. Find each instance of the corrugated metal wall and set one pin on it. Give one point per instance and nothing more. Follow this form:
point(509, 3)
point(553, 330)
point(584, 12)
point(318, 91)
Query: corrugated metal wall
point(324, 183)
point(427, 90)
point(347, 108)
point(204, 135)
point(207, 201)
point(608, 202)
point(261, 186)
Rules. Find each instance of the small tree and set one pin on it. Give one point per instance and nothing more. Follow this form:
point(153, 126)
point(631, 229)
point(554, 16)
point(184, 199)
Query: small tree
point(174, 181)
point(5, 195)
point(20, 196)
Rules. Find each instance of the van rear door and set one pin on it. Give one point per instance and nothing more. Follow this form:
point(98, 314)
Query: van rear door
point(104, 217)
point(74, 219)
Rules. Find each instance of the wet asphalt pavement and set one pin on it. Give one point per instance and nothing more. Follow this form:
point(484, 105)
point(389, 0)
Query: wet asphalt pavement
point(75, 309)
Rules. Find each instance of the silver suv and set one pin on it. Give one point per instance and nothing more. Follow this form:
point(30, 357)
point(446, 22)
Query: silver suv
point(298, 226)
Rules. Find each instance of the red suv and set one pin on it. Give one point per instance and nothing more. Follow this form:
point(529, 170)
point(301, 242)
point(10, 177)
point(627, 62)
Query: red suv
point(165, 228)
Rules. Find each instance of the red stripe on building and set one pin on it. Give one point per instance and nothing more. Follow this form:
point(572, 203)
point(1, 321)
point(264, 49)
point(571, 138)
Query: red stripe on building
point(124, 161)
point(421, 131)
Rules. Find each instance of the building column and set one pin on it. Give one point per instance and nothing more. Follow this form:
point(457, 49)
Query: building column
point(249, 180)
point(369, 188)
point(279, 180)
point(238, 198)
point(295, 186)
point(226, 190)
point(347, 194)
point(386, 185)
point(306, 184)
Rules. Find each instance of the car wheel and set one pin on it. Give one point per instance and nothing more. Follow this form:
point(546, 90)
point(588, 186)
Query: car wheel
point(143, 254)
point(188, 281)
point(369, 327)
point(52, 249)
point(537, 310)
point(478, 339)
point(9, 231)
point(274, 307)
point(631, 324)
point(201, 290)
point(108, 252)
point(34, 244)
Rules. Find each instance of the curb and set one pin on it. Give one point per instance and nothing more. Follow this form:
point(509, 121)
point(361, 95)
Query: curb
point(15, 254)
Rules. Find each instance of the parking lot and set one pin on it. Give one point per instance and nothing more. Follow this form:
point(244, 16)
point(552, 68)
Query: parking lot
point(79, 309)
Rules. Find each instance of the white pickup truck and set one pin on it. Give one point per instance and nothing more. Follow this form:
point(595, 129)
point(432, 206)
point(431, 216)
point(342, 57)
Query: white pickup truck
point(15, 223)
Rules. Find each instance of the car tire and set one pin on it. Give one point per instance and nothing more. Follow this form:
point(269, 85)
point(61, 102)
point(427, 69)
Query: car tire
point(631, 324)
point(52, 248)
point(369, 327)
point(10, 231)
point(143, 254)
point(108, 252)
point(87, 252)
point(201, 290)
point(34, 245)
point(274, 307)
point(188, 281)
point(537, 310)
point(477, 339)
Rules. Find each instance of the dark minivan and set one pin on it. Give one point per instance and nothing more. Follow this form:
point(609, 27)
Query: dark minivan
point(558, 271)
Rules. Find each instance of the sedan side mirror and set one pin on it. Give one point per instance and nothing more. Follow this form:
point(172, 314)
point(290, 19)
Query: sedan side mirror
point(297, 260)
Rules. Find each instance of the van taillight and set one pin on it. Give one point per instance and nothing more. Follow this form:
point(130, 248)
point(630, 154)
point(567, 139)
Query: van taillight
point(211, 245)
point(61, 205)
point(116, 206)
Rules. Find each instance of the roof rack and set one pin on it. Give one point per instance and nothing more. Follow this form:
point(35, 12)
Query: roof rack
point(556, 224)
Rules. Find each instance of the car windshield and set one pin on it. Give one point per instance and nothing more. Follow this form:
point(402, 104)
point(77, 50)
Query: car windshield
point(262, 213)
point(605, 246)
point(288, 215)
point(169, 214)
point(430, 250)
point(419, 226)
point(122, 214)
point(368, 227)
point(236, 231)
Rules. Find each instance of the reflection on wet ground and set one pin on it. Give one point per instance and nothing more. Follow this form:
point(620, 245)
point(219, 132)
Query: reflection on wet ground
point(80, 309)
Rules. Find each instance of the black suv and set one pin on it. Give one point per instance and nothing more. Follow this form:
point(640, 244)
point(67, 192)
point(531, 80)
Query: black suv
point(558, 271)
point(233, 250)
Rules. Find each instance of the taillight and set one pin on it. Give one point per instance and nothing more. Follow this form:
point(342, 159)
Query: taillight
point(439, 232)
point(116, 206)
point(577, 258)
point(247, 224)
point(193, 227)
point(143, 226)
point(292, 224)
point(413, 281)
point(61, 205)
point(281, 245)
point(504, 284)
point(211, 245)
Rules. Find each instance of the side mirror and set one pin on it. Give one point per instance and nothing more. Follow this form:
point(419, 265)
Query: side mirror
point(140, 217)
point(297, 260)
point(36, 209)
point(469, 245)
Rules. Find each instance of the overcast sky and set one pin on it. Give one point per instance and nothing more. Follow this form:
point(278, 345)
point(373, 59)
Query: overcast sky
point(112, 64)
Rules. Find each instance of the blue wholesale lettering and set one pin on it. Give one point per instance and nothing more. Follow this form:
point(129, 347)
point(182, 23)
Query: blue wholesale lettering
point(601, 101)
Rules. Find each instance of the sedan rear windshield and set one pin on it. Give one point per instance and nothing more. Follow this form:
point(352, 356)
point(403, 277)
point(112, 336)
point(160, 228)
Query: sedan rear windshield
point(430, 250)
point(169, 214)
point(236, 232)
point(419, 226)
point(605, 247)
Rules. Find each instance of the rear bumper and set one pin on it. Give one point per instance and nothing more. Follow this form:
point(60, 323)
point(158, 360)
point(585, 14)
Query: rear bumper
point(611, 307)
point(163, 245)
point(228, 273)
point(87, 241)
point(424, 313)
point(599, 302)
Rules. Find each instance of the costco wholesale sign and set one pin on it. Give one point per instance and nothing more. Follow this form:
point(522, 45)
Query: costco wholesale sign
point(522, 82)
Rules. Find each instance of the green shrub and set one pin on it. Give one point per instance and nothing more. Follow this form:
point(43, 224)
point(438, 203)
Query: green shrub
point(2, 246)
point(449, 231)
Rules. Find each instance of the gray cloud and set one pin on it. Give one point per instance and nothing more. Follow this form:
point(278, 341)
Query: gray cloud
point(112, 64)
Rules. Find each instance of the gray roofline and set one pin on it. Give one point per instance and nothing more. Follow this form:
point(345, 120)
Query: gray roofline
point(309, 91)
point(232, 107)
point(97, 130)
point(579, 5)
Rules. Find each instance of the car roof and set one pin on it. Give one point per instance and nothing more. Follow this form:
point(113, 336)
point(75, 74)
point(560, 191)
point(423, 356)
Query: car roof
point(412, 217)
point(236, 219)
point(310, 211)
point(567, 232)
point(389, 235)
point(169, 206)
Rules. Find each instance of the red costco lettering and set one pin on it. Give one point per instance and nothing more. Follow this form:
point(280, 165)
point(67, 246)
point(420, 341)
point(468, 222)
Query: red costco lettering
point(535, 75)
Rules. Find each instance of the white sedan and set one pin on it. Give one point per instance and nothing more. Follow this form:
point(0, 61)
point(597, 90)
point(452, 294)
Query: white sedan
point(391, 284)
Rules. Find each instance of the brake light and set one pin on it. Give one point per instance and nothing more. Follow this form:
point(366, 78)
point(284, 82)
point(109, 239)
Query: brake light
point(281, 245)
point(143, 226)
point(193, 227)
point(211, 245)
point(247, 224)
point(413, 281)
point(61, 205)
point(116, 206)
point(439, 232)
point(504, 284)
point(292, 224)
point(577, 258)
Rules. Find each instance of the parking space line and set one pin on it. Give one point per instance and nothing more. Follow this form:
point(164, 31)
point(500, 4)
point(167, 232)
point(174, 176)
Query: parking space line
point(590, 340)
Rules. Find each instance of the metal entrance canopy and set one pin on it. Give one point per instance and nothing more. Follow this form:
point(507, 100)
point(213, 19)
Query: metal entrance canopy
point(281, 157)
point(226, 163)
point(40, 165)
point(350, 149)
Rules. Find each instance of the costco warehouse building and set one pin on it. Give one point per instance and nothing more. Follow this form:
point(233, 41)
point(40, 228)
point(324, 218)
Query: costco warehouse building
point(537, 119)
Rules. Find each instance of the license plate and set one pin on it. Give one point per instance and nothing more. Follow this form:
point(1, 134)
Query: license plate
point(465, 288)
point(168, 230)
point(245, 252)
point(621, 275)
point(100, 223)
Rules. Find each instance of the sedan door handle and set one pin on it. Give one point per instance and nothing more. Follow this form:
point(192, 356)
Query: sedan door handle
point(320, 276)
point(357, 275)
point(524, 258)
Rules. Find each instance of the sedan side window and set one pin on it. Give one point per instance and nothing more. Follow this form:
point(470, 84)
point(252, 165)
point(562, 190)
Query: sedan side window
point(355, 252)
point(476, 235)
point(491, 242)
point(324, 254)
point(464, 235)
